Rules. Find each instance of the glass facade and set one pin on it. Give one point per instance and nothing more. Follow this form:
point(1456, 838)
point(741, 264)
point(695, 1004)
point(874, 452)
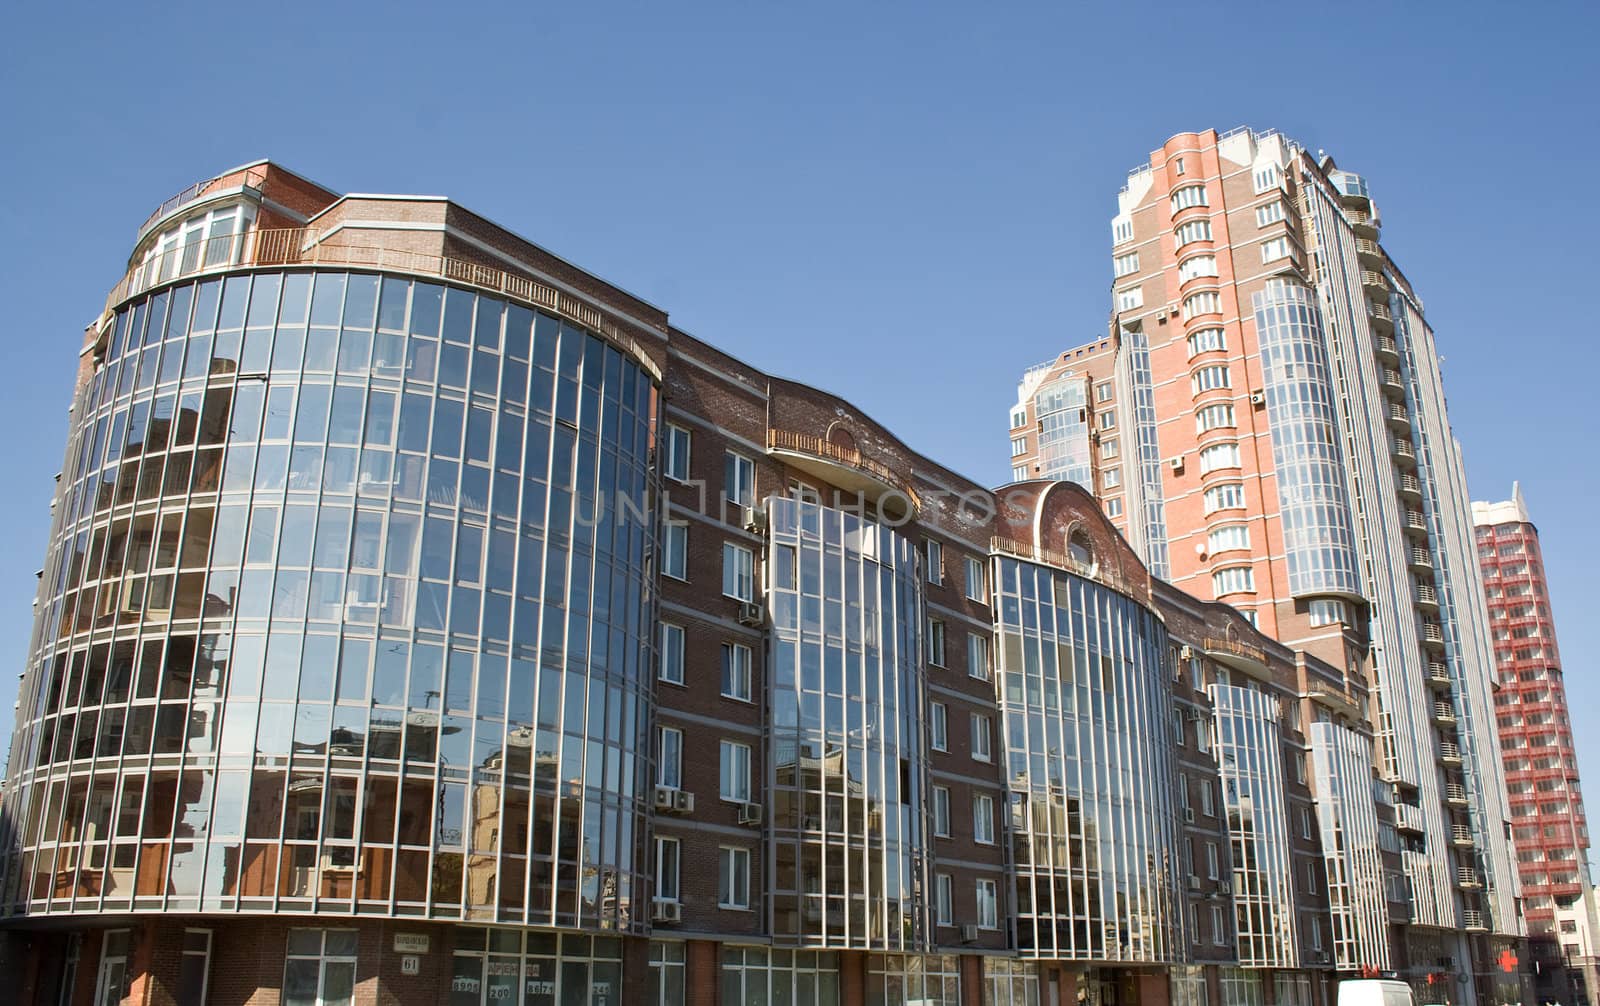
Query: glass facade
point(1347, 818)
point(1061, 408)
point(1150, 524)
point(1319, 543)
point(847, 748)
point(344, 613)
point(1086, 709)
point(1249, 754)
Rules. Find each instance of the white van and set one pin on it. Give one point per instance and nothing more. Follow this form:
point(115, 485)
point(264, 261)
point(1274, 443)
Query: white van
point(1375, 992)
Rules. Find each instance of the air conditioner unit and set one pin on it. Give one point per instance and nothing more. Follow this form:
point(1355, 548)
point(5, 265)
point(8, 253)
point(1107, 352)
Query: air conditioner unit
point(1194, 882)
point(969, 933)
point(751, 613)
point(1258, 398)
point(1186, 652)
point(683, 802)
point(749, 813)
point(754, 519)
point(665, 797)
point(1224, 887)
point(666, 911)
point(1188, 815)
point(1176, 463)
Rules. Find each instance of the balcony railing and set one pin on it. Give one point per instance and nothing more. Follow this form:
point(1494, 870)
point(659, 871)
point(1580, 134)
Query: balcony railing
point(826, 450)
point(1473, 919)
point(1468, 877)
point(1416, 521)
point(250, 178)
point(1460, 834)
point(1455, 792)
point(1410, 484)
point(1432, 632)
point(1449, 751)
point(1426, 594)
point(1444, 712)
point(302, 246)
point(1421, 557)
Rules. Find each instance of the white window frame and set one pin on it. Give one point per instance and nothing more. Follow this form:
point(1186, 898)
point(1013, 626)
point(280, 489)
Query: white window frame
point(975, 580)
point(1189, 196)
point(1223, 454)
point(1130, 299)
point(982, 739)
point(732, 861)
point(933, 556)
point(669, 757)
point(738, 662)
point(1270, 213)
point(941, 811)
point(675, 550)
point(738, 479)
point(944, 899)
point(936, 652)
point(938, 726)
point(733, 772)
point(1125, 265)
point(1228, 538)
point(1224, 496)
point(667, 891)
point(1212, 377)
point(1216, 416)
point(988, 907)
point(978, 656)
point(680, 445)
point(672, 653)
point(983, 819)
point(1202, 302)
point(738, 572)
point(1207, 340)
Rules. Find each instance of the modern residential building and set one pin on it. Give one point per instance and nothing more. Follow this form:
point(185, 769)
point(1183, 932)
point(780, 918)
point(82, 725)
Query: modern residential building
point(1549, 830)
point(427, 620)
point(1265, 422)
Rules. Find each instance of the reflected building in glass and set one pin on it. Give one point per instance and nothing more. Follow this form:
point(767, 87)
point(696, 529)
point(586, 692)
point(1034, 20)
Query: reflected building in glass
point(425, 619)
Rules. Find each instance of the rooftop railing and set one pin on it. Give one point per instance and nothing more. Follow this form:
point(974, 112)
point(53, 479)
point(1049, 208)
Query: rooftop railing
point(249, 178)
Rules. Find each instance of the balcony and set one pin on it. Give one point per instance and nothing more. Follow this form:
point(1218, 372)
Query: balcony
point(1455, 794)
point(1467, 879)
point(1381, 320)
point(1474, 920)
point(1393, 383)
point(1421, 559)
point(1239, 656)
point(1427, 597)
point(1438, 674)
point(846, 468)
point(1375, 285)
point(1399, 418)
point(1408, 818)
point(1363, 223)
point(1402, 451)
point(1410, 486)
point(1433, 634)
point(1444, 712)
point(1449, 753)
point(1370, 252)
point(1461, 836)
point(1416, 523)
point(1387, 349)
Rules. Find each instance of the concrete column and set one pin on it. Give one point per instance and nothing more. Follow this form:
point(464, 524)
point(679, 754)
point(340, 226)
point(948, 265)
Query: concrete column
point(852, 978)
point(703, 972)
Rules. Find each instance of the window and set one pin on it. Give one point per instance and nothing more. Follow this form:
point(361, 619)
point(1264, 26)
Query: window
point(738, 572)
point(669, 759)
point(1227, 496)
point(1202, 734)
point(1311, 877)
point(1207, 340)
point(1219, 927)
point(983, 819)
point(733, 877)
point(977, 656)
point(938, 726)
point(1102, 391)
point(988, 905)
point(671, 653)
point(1207, 807)
point(1215, 456)
point(1211, 861)
point(1130, 299)
point(1270, 213)
point(739, 479)
point(1111, 478)
point(1326, 611)
point(1114, 506)
point(1204, 302)
point(980, 737)
point(1316, 932)
point(1211, 378)
point(1214, 417)
point(194, 968)
point(1121, 230)
point(667, 863)
point(974, 579)
point(320, 967)
point(1179, 734)
point(1019, 446)
point(1189, 195)
point(944, 900)
point(678, 443)
point(935, 643)
point(1019, 417)
point(1233, 580)
point(1122, 265)
point(1177, 165)
point(675, 550)
point(935, 559)
point(1108, 420)
point(1305, 822)
point(1266, 178)
point(1196, 266)
point(1019, 473)
point(941, 811)
point(1194, 230)
point(735, 772)
point(1110, 448)
point(1274, 249)
point(1227, 538)
point(736, 659)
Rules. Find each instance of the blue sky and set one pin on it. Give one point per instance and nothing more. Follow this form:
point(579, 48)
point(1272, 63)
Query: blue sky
point(906, 204)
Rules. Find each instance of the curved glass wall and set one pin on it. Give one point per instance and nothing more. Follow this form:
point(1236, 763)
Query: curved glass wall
point(1319, 540)
point(1087, 725)
point(1061, 408)
point(343, 614)
point(1347, 818)
point(1249, 755)
point(847, 782)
